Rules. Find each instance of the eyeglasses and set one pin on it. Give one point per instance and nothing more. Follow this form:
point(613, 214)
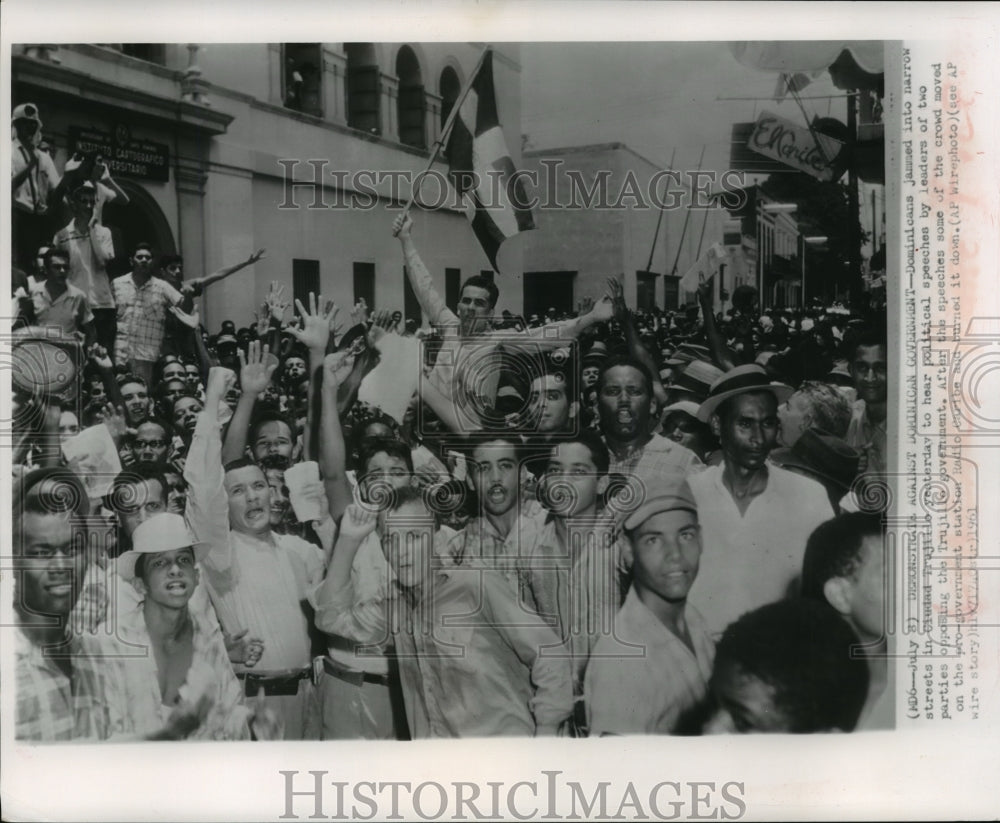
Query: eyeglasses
point(150, 444)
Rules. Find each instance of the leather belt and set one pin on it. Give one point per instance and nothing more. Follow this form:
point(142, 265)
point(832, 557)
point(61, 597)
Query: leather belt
point(353, 677)
point(274, 685)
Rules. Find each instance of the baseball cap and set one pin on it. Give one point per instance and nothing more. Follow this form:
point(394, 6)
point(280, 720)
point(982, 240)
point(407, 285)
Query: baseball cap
point(664, 494)
point(27, 111)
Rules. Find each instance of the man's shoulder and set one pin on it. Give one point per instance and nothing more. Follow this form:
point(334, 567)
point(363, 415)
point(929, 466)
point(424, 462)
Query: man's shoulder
point(796, 486)
point(122, 279)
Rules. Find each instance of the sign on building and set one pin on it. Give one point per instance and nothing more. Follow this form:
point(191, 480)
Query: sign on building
point(125, 157)
point(784, 141)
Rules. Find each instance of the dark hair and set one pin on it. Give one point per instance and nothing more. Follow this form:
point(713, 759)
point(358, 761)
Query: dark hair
point(725, 408)
point(834, 550)
point(499, 436)
point(55, 251)
point(170, 259)
point(393, 448)
point(129, 377)
point(802, 649)
point(50, 490)
point(135, 475)
point(598, 450)
point(866, 338)
point(239, 463)
point(480, 282)
point(626, 360)
point(142, 246)
point(566, 375)
point(186, 394)
point(407, 494)
point(268, 415)
point(168, 429)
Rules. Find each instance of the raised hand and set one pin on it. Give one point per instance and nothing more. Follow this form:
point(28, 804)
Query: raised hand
point(114, 421)
point(337, 366)
point(617, 294)
point(381, 323)
point(275, 301)
point(402, 226)
point(331, 309)
point(99, 356)
point(586, 305)
point(705, 290)
point(603, 310)
point(257, 255)
point(359, 314)
point(262, 320)
point(190, 320)
point(220, 381)
point(315, 331)
point(357, 523)
point(255, 370)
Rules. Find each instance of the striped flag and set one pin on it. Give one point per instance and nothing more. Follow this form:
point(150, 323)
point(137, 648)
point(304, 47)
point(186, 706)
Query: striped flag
point(481, 169)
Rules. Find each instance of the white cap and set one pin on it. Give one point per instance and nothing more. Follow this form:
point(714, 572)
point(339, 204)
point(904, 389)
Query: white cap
point(161, 533)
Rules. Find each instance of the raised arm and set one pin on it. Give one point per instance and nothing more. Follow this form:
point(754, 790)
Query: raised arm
point(338, 611)
point(332, 451)
point(207, 510)
point(313, 335)
point(255, 375)
point(216, 276)
point(555, 335)
point(635, 345)
point(717, 346)
point(431, 302)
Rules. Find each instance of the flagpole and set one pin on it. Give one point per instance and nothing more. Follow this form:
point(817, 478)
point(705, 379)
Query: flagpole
point(659, 219)
point(687, 217)
point(446, 130)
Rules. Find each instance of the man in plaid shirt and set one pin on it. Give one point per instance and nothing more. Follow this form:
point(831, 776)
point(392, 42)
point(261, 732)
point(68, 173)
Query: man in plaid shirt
point(142, 301)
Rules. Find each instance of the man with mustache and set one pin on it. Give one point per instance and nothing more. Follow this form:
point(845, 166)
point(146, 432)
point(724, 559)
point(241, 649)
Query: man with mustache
point(755, 516)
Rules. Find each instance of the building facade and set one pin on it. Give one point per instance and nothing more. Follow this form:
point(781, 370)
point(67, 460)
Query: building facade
point(607, 211)
point(303, 148)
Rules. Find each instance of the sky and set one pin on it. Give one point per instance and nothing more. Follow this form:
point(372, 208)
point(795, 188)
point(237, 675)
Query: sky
point(654, 97)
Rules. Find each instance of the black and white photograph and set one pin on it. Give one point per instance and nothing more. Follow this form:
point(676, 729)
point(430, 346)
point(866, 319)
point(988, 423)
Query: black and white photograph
point(376, 392)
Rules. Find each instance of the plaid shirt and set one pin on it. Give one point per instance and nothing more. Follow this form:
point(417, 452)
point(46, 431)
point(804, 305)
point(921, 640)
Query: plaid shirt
point(142, 317)
point(51, 704)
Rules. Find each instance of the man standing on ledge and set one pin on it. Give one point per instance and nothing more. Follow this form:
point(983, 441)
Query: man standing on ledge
point(463, 371)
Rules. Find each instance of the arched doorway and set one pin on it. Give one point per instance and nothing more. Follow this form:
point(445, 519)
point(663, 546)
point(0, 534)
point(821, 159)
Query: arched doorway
point(140, 220)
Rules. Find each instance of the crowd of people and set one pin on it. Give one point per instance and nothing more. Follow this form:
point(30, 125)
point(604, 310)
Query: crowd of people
point(615, 522)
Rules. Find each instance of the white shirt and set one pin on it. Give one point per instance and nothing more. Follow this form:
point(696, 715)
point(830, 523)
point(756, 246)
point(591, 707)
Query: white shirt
point(752, 559)
point(255, 583)
point(33, 194)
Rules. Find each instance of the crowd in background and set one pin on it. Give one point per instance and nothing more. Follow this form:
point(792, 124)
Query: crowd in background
point(604, 522)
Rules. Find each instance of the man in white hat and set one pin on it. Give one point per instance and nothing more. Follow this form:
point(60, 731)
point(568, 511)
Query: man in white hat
point(257, 580)
point(34, 181)
point(185, 659)
point(755, 516)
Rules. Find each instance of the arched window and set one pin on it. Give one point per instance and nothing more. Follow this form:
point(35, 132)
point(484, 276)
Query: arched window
point(411, 104)
point(303, 72)
point(364, 88)
point(450, 87)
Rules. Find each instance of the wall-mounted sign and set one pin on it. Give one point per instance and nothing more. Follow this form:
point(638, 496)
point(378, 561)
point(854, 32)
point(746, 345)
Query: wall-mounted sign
point(124, 156)
point(788, 143)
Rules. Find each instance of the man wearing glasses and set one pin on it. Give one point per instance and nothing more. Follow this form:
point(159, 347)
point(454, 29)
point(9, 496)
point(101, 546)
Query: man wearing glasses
point(142, 301)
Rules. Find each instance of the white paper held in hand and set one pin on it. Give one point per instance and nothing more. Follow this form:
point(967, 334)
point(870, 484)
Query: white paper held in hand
point(297, 479)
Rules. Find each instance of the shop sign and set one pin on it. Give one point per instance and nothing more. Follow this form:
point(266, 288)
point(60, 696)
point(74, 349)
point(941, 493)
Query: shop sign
point(784, 141)
point(125, 156)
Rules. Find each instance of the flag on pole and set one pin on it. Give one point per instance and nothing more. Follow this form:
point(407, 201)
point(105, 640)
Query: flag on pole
point(481, 168)
point(704, 267)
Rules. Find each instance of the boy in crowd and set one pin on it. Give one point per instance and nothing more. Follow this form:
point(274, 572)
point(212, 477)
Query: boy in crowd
point(569, 572)
point(189, 659)
point(787, 667)
point(471, 659)
point(844, 566)
point(650, 675)
point(504, 521)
